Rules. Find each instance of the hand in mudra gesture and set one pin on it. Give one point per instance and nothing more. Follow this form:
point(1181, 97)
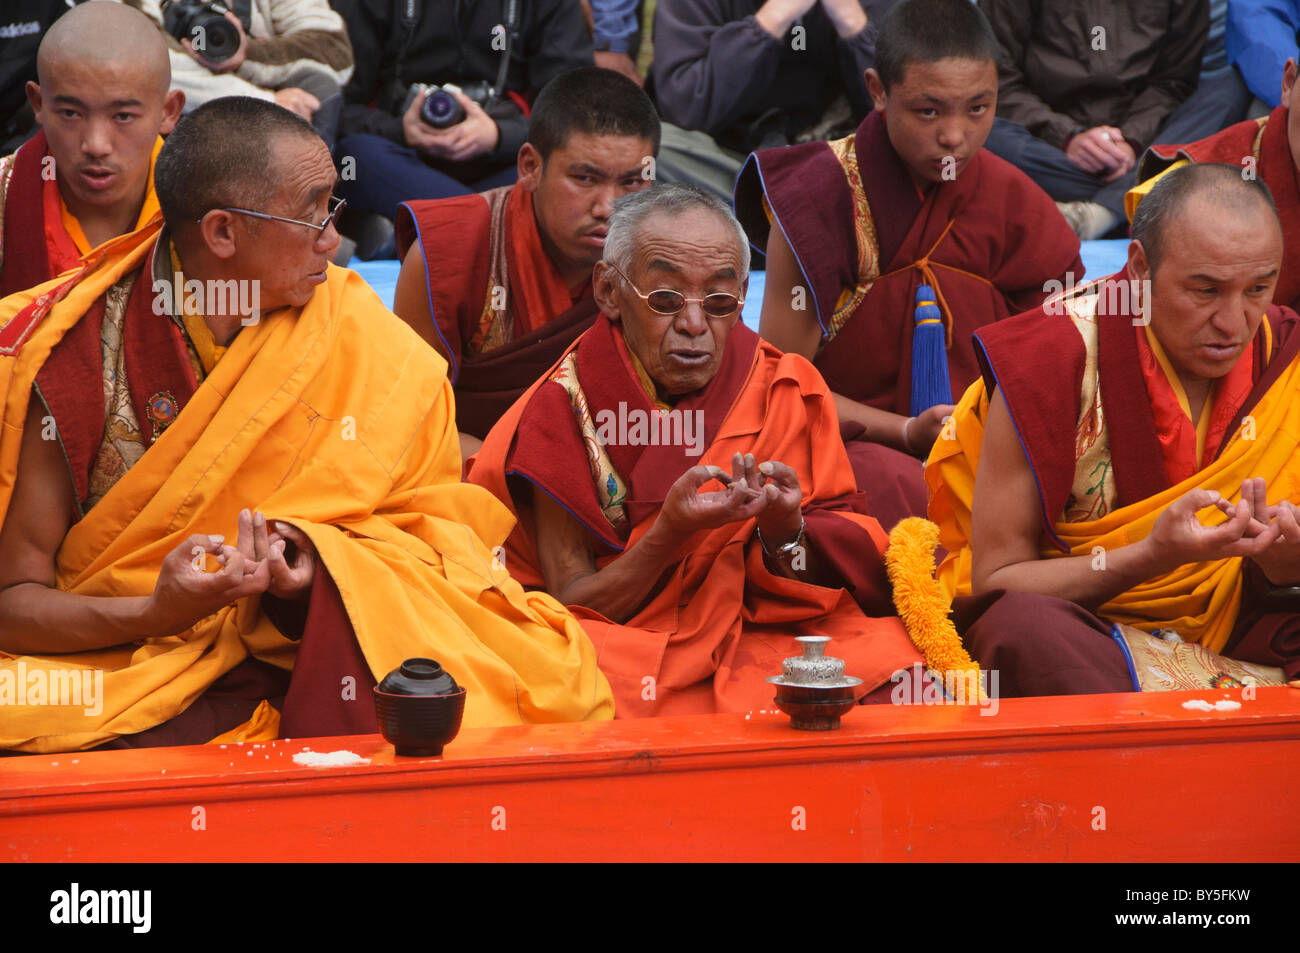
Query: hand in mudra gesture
point(767, 491)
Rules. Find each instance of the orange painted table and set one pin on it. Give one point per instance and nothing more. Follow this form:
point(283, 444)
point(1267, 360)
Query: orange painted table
point(1103, 777)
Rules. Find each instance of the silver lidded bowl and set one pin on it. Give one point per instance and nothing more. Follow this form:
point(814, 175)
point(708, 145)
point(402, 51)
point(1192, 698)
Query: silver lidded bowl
point(812, 688)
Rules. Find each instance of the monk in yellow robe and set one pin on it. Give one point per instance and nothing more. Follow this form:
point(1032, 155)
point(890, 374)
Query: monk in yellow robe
point(693, 593)
point(1130, 460)
point(223, 461)
point(87, 175)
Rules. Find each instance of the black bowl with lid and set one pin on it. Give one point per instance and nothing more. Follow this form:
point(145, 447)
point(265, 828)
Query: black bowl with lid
point(419, 707)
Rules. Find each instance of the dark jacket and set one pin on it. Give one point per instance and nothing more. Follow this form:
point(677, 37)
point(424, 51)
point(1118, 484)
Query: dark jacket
point(451, 41)
point(1069, 65)
point(22, 24)
point(717, 70)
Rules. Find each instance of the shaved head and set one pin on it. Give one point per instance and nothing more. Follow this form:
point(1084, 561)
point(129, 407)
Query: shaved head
point(106, 34)
point(102, 100)
point(1209, 247)
point(228, 152)
point(1205, 191)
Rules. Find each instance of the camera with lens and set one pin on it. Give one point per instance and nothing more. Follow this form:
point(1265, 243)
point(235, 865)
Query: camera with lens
point(442, 110)
point(204, 24)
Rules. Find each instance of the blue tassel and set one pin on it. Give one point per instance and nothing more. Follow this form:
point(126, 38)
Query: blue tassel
point(930, 384)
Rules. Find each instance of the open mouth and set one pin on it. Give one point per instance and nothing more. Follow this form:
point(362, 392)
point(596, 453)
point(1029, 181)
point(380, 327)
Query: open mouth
point(98, 178)
point(690, 358)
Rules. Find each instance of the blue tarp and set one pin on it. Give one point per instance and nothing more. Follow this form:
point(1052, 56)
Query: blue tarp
point(1099, 258)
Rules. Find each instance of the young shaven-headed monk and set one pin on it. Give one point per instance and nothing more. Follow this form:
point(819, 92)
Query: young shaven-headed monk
point(500, 282)
point(87, 176)
point(909, 200)
point(1130, 456)
point(1269, 148)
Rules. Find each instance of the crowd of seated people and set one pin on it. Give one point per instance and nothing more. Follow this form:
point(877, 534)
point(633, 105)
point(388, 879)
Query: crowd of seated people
point(233, 480)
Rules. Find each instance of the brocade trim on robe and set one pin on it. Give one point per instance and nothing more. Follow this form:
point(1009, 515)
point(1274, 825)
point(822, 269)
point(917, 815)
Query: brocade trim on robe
point(496, 325)
point(6, 174)
point(124, 443)
point(864, 230)
point(611, 489)
point(1093, 493)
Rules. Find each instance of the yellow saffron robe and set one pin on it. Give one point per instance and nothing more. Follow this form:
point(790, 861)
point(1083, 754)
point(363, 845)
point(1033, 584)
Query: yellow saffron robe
point(1199, 600)
point(334, 417)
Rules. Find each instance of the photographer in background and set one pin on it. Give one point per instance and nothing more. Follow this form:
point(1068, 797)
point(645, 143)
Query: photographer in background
point(292, 52)
point(495, 55)
point(733, 76)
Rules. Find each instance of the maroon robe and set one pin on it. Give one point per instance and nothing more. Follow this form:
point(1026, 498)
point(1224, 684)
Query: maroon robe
point(29, 257)
point(1271, 151)
point(984, 262)
point(456, 236)
point(1046, 645)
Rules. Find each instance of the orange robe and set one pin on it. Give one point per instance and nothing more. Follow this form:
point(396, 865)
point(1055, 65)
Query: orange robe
point(333, 417)
point(718, 622)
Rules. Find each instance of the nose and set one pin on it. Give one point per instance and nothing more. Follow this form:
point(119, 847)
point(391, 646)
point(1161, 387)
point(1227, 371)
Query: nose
point(691, 321)
point(1232, 317)
point(328, 241)
point(96, 137)
point(951, 134)
point(603, 205)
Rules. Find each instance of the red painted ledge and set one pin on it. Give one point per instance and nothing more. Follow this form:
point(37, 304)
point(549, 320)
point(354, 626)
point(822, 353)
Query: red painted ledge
point(1089, 778)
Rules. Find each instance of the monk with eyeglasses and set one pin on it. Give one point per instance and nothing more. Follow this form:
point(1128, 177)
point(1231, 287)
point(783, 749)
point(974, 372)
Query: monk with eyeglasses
point(230, 485)
point(681, 485)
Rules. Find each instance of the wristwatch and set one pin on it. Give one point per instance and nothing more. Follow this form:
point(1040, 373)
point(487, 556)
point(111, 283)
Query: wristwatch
point(785, 550)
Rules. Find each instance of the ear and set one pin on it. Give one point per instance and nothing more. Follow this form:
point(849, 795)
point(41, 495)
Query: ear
point(1288, 82)
point(603, 290)
point(217, 231)
point(173, 105)
point(530, 165)
point(875, 89)
point(34, 97)
point(1137, 261)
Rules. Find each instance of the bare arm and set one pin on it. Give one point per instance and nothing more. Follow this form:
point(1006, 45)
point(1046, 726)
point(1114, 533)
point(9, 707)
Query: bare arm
point(411, 299)
point(793, 330)
point(34, 616)
point(38, 618)
point(569, 565)
point(411, 304)
point(1006, 526)
point(797, 331)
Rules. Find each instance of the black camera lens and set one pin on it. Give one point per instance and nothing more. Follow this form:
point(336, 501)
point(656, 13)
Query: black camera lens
point(441, 109)
point(221, 39)
point(204, 24)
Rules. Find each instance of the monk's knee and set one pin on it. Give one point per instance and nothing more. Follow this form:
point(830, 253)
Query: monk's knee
point(1041, 645)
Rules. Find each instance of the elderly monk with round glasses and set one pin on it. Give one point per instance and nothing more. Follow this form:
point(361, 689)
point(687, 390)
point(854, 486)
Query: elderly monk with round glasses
point(681, 485)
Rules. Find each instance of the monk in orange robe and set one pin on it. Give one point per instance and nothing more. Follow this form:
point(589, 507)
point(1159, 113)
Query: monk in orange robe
point(500, 282)
point(1268, 148)
point(229, 481)
point(691, 598)
point(855, 229)
point(1152, 418)
point(87, 176)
